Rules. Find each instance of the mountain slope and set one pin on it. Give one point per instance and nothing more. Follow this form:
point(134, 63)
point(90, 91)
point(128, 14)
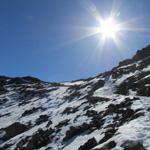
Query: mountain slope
point(108, 112)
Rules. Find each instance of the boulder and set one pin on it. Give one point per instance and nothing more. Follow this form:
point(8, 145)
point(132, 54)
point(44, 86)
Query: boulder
point(89, 144)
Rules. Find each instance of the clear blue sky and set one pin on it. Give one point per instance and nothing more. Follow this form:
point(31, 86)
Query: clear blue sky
point(39, 37)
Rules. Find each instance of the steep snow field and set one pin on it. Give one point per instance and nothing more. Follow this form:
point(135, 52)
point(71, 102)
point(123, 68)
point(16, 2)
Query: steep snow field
point(108, 112)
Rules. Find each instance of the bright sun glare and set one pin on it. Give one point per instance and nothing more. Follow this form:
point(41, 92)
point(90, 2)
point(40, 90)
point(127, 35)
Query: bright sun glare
point(109, 28)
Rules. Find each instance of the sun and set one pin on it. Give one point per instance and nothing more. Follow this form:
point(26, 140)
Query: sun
point(109, 28)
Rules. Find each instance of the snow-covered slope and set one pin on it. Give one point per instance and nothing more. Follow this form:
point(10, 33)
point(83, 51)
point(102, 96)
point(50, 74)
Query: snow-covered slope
point(108, 112)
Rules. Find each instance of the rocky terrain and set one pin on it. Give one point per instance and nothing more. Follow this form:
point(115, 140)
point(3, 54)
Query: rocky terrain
point(108, 112)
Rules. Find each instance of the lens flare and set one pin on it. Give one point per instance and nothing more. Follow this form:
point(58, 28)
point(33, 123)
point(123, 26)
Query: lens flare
point(109, 28)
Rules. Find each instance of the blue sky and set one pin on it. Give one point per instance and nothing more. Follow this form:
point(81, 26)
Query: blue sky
point(41, 37)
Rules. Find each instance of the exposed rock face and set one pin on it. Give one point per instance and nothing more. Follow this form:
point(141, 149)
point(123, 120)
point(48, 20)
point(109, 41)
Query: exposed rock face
point(105, 112)
point(126, 62)
point(141, 54)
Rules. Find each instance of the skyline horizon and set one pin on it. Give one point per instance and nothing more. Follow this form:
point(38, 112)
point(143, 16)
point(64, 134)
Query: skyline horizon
point(82, 78)
point(67, 40)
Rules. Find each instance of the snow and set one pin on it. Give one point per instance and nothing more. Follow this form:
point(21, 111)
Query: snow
point(148, 76)
point(133, 93)
point(107, 90)
point(73, 83)
point(125, 76)
point(137, 129)
point(147, 68)
point(126, 66)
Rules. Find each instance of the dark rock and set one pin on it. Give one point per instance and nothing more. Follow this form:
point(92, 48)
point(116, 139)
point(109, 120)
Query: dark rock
point(96, 86)
point(39, 139)
point(55, 84)
point(5, 147)
point(23, 80)
point(111, 144)
point(96, 118)
point(96, 122)
point(143, 86)
point(4, 78)
point(144, 63)
point(127, 102)
point(127, 84)
point(111, 109)
point(31, 111)
point(132, 145)
point(49, 123)
point(29, 93)
point(32, 79)
point(2, 115)
point(14, 129)
point(128, 113)
point(17, 81)
point(138, 114)
point(141, 54)
point(62, 123)
point(107, 146)
point(136, 83)
point(69, 110)
point(41, 119)
point(91, 113)
point(24, 102)
point(94, 99)
point(118, 72)
point(107, 135)
point(74, 92)
point(2, 84)
point(148, 109)
point(89, 144)
point(3, 101)
point(87, 107)
point(74, 131)
point(126, 62)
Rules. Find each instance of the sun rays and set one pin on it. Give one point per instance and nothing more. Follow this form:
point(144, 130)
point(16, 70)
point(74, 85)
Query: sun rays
point(109, 28)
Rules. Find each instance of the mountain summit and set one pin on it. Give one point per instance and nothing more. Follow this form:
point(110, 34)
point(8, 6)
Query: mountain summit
point(108, 112)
